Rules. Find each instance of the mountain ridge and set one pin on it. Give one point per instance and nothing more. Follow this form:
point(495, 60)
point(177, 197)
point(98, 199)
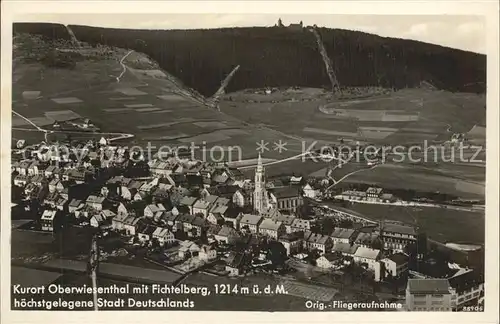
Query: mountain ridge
point(275, 56)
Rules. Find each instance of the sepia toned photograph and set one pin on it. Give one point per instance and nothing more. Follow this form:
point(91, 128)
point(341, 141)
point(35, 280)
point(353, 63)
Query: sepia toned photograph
point(244, 162)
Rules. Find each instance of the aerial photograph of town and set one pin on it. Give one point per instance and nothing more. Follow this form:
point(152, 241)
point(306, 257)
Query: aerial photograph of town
point(291, 166)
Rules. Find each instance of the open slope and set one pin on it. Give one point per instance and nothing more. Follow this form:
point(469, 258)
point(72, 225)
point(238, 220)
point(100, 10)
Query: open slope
point(275, 56)
point(127, 92)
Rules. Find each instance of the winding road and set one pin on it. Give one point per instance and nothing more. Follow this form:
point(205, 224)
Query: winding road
point(124, 67)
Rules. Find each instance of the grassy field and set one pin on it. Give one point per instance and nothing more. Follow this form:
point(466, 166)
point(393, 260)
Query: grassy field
point(411, 112)
point(467, 226)
point(421, 179)
point(152, 108)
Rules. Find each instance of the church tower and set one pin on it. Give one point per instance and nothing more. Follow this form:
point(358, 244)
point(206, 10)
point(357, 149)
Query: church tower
point(260, 199)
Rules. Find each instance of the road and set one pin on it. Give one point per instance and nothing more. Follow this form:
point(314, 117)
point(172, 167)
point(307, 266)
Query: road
point(118, 136)
point(123, 66)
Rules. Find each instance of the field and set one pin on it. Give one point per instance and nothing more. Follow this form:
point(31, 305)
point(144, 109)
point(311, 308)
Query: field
point(424, 179)
point(436, 222)
point(156, 111)
point(404, 116)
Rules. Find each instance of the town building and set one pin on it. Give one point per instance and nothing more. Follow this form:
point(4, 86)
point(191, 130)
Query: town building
point(367, 256)
point(163, 236)
point(467, 286)
point(316, 241)
point(287, 199)
point(300, 225)
point(252, 222)
point(228, 235)
point(329, 260)
point(207, 253)
point(428, 295)
point(342, 235)
point(293, 242)
point(50, 220)
point(345, 249)
point(271, 228)
point(373, 193)
point(396, 237)
point(395, 265)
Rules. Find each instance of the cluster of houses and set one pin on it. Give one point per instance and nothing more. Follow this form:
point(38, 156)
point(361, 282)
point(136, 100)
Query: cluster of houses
point(201, 206)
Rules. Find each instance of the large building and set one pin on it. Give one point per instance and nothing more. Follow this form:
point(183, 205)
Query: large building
point(428, 295)
point(466, 288)
point(260, 198)
point(396, 237)
point(287, 199)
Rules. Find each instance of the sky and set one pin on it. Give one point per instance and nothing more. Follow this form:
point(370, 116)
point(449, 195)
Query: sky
point(456, 31)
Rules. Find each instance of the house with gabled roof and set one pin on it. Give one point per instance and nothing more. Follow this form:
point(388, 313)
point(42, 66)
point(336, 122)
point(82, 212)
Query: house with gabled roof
point(198, 226)
point(51, 220)
point(271, 228)
point(395, 265)
point(74, 205)
point(316, 241)
point(21, 180)
point(188, 202)
point(151, 209)
point(300, 225)
point(368, 256)
point(227, 235)
point(95, 202)
point(293, 242)
point(164, 236)
point(216, 215)
point(130, 224)
point(201, 207)
point(329, 260)
point(345, 249)
point(250, 222)
point(207, 253)
point(343, 235)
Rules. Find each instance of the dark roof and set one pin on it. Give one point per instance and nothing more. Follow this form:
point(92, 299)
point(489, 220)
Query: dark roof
point(199, 221)
point(286, 192)
point(399, 258)
point(332, 256)
point(186, 218)
point(428, 286)
point(402, 229)
point(465, 281)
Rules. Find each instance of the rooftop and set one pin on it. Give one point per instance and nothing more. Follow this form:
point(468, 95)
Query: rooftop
point(342, 233)
point(367, 253)
point(428, 286)
point(249, 219)
point(269, 224)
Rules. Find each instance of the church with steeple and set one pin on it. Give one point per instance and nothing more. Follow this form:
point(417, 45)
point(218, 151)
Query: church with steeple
point(260, 197)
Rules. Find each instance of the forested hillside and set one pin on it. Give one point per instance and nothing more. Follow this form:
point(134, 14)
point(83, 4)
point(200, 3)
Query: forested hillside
point(282, 57)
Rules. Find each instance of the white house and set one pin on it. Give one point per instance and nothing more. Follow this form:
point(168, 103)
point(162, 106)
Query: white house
point(309, 192)
point(271, 228)
point(164, 236)
point(151, 210)
point(328, 260)
point(49, 220)
point(395, 265)
point(227, 235)
point(368, 256)
point(252, 222)
point(207, 253)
